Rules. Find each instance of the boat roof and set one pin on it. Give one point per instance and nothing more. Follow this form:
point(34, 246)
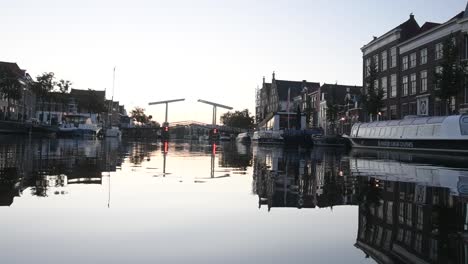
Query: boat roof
point(407, 121)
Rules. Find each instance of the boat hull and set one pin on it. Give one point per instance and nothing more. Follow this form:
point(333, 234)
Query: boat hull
point(435, 145)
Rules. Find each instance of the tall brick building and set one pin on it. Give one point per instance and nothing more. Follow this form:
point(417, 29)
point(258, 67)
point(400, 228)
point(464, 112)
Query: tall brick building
point(407, 58)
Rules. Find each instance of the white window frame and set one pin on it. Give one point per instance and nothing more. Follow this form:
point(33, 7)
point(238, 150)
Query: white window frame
point(383, 60)
point(376, 62)
point(438, 69)
point(404, 63)
point(384, 86)
point(404, 86)
point(393, 85)
point(393, 57)
point(423, 78)
point(413, 60)
point(423, 56)
point(439, 51)
point(413, 82)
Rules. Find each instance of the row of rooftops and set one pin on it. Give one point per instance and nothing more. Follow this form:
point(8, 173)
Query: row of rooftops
point(411, 30)
point(297, 88)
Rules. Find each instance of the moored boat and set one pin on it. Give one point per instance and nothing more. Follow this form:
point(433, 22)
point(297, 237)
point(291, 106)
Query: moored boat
point(113, 132)
point(78, 126)
point(437, 133)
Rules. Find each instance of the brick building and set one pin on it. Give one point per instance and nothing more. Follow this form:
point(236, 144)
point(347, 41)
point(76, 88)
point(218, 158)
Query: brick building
point(272, 106)
point(407, 58)
point(22, 109)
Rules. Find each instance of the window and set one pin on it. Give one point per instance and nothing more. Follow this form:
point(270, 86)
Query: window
point(466, 46)
point(393, 57)
point(404, 89)
point(423, 81)
point(368, 67)
point(384, 61)
point(438, 71)
point(404, 110)
point(413, 60)
point(405, 63)
point(376, 85)
point(439, 52)
point(376, 62)
point(393, 85)
point(384, 87)
point(424, 56)
point(413, 83)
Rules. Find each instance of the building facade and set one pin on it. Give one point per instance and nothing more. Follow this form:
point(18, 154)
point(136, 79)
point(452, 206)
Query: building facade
point(24, 108)
point(275, 107)
point(406, 60)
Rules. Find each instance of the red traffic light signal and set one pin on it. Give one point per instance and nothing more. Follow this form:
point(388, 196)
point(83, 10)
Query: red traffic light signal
point(166, 129)
point(215, 131)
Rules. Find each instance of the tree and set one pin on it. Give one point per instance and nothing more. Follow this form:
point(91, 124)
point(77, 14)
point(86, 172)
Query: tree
point(64, 87)
point(451, 78)
point(10, 87)
point(44, 84)
point(138, 114)
point(238, 119)
point(373, 95)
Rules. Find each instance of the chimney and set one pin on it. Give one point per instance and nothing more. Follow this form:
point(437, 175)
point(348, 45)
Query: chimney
point(411, 16)
point(263, 79)
point(273, 75)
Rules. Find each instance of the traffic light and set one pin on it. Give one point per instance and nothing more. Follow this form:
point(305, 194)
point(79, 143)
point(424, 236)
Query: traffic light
point(165, 131)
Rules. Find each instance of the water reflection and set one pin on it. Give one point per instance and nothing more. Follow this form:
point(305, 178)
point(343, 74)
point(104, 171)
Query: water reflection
point(405, 207)
point(302, 179)
point(46, 167)
point(412, 207)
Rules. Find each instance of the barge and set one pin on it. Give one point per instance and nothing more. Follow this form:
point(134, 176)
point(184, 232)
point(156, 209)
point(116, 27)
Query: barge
point(437, 134)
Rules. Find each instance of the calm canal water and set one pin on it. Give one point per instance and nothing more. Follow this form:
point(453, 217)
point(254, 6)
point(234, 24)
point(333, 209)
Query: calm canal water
point(110, 201)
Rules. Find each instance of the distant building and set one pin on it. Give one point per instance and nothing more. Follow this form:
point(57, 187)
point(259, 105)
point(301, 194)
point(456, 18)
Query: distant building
point(347, 100)
point(22, 109)
point(275, 103)
point(407, 58)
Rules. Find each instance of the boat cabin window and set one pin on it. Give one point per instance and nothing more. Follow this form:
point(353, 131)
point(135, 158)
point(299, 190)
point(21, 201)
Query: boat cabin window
point(410, 131)
point(436, 131)
point(464, 125)
point(382, 131)
point(425, 130)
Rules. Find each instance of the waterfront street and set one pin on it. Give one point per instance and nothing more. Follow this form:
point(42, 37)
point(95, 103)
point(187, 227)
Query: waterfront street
point(96, 201)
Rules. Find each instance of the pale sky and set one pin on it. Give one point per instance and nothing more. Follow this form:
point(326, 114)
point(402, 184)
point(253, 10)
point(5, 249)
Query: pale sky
point(204, 49)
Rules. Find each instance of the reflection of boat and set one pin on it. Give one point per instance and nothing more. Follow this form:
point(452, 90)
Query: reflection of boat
point(421, 169)
point(113, 132)
point(243, 137)
point(439, 133)
point(78, 125)
point(268, 137)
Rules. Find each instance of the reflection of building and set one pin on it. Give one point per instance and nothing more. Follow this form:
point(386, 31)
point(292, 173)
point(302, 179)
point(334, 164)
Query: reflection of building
point(301, 180)
point(411, 213)
point(48, 166)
